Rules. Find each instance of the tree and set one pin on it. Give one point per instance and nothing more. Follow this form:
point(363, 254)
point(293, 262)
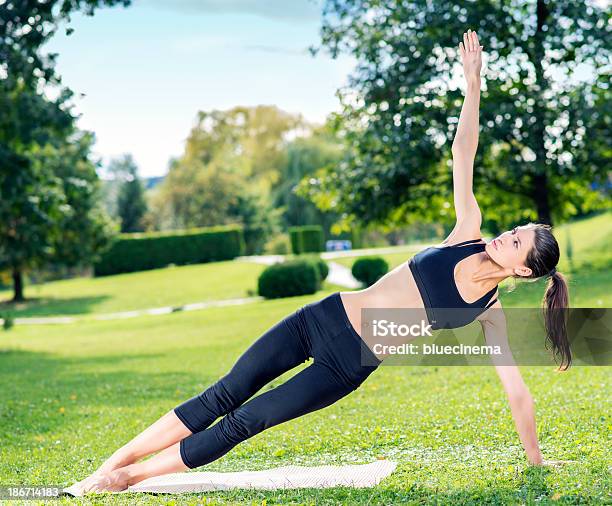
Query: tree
point(250, 140)
point(305, 155)
point(47, 182)
point(30, 200)
point(231, 162)
point(82, 228)
point(49, 209)
point(195, 195)
point(131, 203)
point(400, 109)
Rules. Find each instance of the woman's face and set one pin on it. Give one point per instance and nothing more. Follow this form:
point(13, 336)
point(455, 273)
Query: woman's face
point(510, 249)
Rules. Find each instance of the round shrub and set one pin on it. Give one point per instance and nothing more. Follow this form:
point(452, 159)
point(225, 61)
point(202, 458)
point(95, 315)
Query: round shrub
point(369, 270)
point(320, 264)
point(7, 321)
point(323, 268)
point(286, 279)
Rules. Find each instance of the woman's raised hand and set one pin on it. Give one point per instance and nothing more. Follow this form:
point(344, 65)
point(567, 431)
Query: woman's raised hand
point(471, 56)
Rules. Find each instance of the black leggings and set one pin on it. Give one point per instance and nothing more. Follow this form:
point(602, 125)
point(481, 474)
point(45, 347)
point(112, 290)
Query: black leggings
point(322, 330)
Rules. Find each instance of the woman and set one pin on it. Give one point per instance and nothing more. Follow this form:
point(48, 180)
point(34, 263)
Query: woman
point(465, 268)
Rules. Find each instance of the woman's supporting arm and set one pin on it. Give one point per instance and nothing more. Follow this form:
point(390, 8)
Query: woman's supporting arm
point(520, 400)
point(523, 413)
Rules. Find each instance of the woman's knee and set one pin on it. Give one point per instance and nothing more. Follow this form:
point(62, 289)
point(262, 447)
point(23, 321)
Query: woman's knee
point(241, 424)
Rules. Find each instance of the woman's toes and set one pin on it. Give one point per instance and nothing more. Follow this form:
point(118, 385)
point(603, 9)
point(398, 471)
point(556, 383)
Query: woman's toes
point(95, 483)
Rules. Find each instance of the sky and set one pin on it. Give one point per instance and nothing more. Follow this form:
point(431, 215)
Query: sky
point(146, 70)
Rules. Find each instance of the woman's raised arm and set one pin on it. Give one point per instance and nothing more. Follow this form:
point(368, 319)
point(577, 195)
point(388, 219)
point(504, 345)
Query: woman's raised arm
point(465, 142)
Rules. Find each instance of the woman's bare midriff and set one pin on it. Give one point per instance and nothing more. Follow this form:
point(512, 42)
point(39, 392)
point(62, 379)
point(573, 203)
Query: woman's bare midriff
point(396, 289)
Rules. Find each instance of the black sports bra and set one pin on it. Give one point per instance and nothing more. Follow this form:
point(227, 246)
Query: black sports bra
point(433, 270)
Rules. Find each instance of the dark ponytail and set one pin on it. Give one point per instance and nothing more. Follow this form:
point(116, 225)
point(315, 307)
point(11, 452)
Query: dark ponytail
point(555, 306)
point(542, 260)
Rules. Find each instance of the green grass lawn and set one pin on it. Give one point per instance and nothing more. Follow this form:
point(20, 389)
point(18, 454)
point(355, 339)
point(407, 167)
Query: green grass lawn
point(138, 290)
point(74, 393)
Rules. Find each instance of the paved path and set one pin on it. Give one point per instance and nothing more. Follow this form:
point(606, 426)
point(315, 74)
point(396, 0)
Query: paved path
point(45, 320)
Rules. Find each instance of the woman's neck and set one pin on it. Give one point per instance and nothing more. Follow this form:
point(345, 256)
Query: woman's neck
point(488, 271)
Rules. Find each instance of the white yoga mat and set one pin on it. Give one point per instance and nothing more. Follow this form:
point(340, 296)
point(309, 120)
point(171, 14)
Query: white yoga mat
point(359, 476)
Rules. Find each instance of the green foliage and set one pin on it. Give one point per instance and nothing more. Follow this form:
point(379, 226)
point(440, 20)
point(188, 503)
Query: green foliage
point(26, 26)
point(356, 237)
point(254, 240)
point(295, 236)
point(542, 142)
point(131, 203)
point(49, 211)
point(320, 264)
point(369, 269)
point(278, 245)
point(7, 321)
point(232, 159)
point(138, 252)
point(83, 227)
point(306, 239)
point(254, 211)
point(304, 156)
point(31, 201)
point(312, 238)
point(288, 279)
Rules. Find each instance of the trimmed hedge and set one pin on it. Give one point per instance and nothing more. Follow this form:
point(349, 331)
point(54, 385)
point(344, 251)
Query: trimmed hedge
point(369, 270)
point(287, 279)
point(307, 238)
point(356, 238)
point(153, 250)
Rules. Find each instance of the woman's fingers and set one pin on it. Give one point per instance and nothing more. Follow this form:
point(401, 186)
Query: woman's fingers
point(470, 41)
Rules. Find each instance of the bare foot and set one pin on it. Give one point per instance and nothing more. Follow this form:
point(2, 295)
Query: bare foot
point(115, 481)
point(115, 461)
point(85, 482)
